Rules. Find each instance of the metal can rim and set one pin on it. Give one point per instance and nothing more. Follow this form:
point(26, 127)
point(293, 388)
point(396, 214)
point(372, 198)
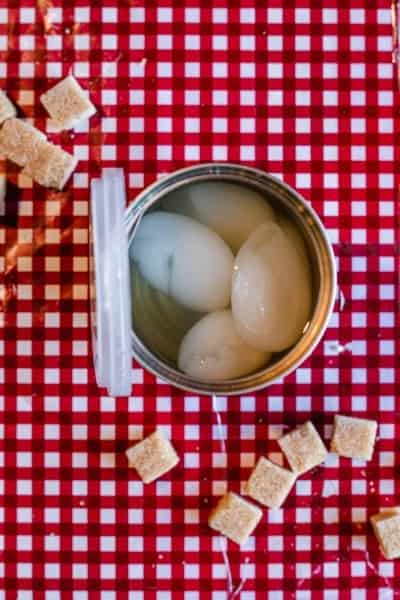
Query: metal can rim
point(256, 178)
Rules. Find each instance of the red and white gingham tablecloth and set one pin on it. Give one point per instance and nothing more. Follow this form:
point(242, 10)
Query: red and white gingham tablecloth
point(304, 90)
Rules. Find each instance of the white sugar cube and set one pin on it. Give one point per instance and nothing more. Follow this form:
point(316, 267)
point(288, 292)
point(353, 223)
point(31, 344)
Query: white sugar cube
point(386, 526)
point(51, 166)
point(3, 190)
point(353, 437)
point(20, 141)
point(235, 518)
point(152, 457)
point(67, 104)
point(303, 448)
point(269, 483)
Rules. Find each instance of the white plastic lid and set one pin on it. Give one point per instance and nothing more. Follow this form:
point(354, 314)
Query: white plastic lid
point(110, 284)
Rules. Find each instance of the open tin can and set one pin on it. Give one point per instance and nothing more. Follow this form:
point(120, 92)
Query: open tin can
point(280, 196)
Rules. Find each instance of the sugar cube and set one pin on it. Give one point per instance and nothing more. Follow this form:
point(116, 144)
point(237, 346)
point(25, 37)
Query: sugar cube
point(269, 483)
point(7, 109)
point(51, 166)
point(386, 526)
point(303, 448)
point(67, 104)
point(3, 190)
point(152, 457)
point(20, 141)
point(353, 437)
point(235, 517)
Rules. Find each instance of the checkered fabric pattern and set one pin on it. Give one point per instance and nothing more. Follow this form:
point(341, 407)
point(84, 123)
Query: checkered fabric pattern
point(306, 92)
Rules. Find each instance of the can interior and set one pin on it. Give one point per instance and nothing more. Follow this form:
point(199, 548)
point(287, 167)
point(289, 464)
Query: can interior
point(150, 329)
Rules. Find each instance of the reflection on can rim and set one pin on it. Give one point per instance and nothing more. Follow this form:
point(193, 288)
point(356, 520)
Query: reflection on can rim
point(320, 251)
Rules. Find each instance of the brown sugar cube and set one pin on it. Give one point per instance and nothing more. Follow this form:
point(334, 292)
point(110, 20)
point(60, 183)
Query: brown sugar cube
point(51, 166)
point(353, 438)
point(67, 104)
point(3, 191)
point(20, 141)
point(234, 517)
point(386, 526)
point(303, 448)
point(152, 457)
point(7, 109)
point(269, 483)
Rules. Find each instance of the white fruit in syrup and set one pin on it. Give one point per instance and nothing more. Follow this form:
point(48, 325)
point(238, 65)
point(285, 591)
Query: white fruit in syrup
point(185, 260)
point(231, 210)
point(271, 288)
point(213, 351)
